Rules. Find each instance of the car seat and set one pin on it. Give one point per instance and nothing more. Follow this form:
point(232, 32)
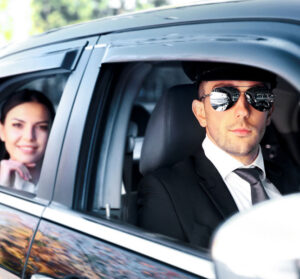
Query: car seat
point(173, 132)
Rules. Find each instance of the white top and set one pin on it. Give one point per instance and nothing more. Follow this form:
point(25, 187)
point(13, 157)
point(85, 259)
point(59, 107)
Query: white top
point(15, 181)
point(238, 187)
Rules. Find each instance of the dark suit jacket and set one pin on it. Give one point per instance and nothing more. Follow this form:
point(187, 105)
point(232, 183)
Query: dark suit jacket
point(189, 200)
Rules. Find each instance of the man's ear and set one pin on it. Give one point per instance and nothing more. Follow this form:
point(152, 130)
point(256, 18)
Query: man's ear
point(269, 115)
point(199, 112)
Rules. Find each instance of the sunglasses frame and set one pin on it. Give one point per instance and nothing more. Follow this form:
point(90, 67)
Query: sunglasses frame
point(248, 95)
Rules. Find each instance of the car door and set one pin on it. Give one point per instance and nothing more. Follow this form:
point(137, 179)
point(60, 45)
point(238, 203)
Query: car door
point(83, 232)
point(56, 71)
point(71, 243)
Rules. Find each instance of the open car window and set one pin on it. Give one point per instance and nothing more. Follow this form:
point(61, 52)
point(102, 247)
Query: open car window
point(116, 166)
point(50, 86)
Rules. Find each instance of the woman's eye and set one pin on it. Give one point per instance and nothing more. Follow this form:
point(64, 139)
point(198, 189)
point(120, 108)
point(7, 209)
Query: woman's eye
point(17, 125)
point(44, 127)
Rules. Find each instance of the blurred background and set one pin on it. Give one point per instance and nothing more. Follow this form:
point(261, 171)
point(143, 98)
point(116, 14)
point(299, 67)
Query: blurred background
point(22, 18)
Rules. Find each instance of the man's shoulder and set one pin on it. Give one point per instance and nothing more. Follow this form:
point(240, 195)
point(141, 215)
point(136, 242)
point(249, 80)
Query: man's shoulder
point(187, 171)
point(180, 169)
point(174, 175)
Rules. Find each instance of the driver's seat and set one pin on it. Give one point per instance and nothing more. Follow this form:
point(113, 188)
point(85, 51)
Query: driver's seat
point(173, 132)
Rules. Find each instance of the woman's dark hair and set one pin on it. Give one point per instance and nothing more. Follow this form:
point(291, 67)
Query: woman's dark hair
point(26, 96)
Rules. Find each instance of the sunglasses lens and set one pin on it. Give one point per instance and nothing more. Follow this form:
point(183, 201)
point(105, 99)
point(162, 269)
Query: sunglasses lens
point(223, 98)
point(260, 98)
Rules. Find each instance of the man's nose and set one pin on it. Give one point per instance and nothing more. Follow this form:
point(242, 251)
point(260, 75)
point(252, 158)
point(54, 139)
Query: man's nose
point(242, 107)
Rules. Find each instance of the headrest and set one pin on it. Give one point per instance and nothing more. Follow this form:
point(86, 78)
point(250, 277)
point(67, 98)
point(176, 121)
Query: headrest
point(173, 132)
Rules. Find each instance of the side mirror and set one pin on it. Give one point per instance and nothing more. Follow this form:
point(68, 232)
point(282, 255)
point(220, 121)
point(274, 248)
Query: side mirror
point(262, 243)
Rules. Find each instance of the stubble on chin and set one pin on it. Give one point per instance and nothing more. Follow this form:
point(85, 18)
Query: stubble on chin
point(243, 149)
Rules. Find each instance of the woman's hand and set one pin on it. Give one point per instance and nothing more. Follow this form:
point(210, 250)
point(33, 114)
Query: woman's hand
point(9, 166)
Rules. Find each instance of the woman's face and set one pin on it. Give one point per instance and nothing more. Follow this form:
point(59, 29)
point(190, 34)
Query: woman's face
point(25, 132)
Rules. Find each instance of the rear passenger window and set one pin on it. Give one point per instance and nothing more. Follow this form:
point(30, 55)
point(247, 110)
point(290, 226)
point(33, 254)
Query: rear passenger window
point(28, 107)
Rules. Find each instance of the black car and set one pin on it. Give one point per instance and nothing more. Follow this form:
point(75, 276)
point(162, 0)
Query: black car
point(105, 78)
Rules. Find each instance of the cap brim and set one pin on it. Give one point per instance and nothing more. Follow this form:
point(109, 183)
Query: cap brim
point(206, 71)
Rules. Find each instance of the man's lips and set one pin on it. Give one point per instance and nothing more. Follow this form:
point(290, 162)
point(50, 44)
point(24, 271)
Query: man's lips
point(241, 131)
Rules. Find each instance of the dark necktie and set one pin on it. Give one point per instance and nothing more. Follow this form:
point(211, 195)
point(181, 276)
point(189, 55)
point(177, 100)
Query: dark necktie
point(251, 175)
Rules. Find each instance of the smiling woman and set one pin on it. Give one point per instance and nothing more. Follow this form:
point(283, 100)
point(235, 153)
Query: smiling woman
point(26, 118)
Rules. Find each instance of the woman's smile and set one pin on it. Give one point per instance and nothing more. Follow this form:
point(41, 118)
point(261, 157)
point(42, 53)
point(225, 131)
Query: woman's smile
point(28, 149)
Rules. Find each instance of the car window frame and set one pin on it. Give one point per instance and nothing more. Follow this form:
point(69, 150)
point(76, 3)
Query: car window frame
point(28, 65)
point(158, 45)
point(191, 42)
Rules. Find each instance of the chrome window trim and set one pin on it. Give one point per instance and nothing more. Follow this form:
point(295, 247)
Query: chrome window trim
point(101, 45)
point(7, 275)
point(178, 259)
point(22, 205)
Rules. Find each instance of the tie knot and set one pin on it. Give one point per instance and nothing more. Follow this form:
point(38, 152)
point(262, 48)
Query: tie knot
point(251, 175)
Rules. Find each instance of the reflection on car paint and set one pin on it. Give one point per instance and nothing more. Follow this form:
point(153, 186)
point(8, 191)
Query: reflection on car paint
point(16, 231)
point(59, 252)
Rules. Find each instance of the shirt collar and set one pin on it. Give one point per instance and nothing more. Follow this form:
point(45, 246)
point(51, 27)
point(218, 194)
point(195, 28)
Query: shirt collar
point(218, 156)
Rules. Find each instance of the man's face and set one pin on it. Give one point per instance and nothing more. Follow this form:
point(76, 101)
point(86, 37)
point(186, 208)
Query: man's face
point(237, 130)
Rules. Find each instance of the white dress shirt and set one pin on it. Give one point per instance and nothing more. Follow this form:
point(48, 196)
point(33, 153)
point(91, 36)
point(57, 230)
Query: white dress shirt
point(238, 187)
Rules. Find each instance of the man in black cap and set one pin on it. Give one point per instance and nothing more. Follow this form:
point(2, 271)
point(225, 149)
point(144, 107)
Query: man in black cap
point(189, 200)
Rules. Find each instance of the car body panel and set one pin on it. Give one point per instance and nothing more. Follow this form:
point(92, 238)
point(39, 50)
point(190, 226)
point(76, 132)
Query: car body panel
point(59, 251)
point(16, 233)
point(71, 233)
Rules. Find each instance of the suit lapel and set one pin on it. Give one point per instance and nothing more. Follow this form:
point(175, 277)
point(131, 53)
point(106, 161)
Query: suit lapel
point(212, 183)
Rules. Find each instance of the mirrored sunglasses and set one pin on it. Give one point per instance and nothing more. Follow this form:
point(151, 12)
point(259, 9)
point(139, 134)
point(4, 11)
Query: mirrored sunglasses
point(223, 98)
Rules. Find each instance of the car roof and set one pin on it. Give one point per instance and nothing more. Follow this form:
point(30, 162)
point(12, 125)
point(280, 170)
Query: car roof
point(206, 11)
